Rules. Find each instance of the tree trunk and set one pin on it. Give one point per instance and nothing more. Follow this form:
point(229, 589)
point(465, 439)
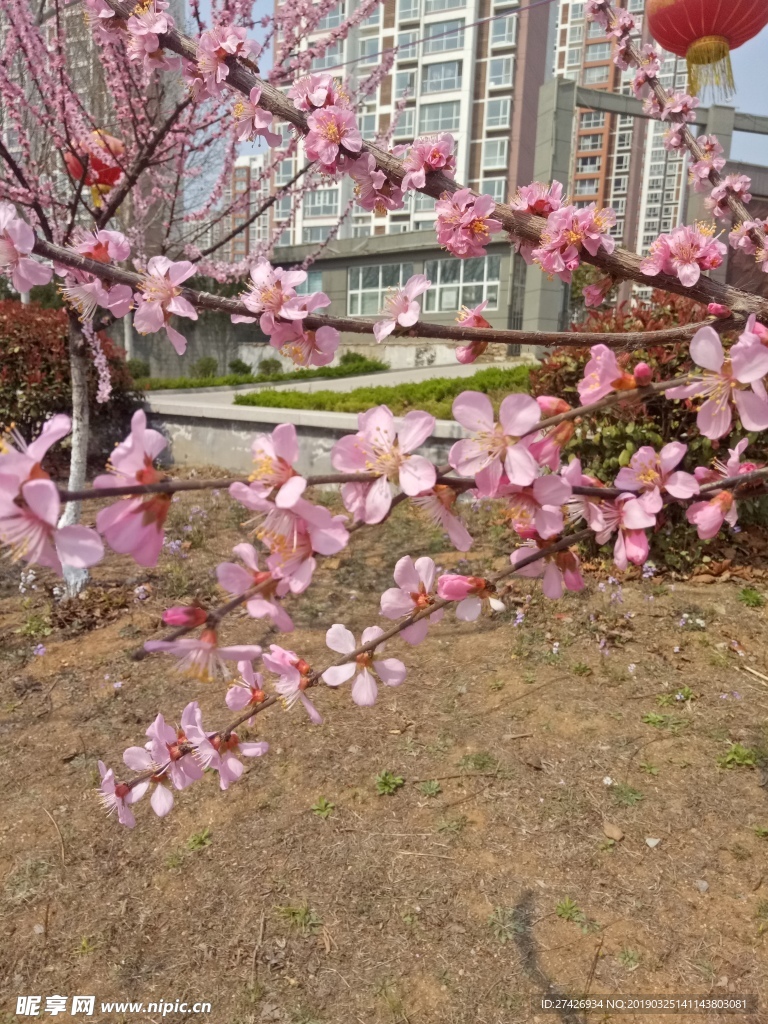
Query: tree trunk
point(78, 362)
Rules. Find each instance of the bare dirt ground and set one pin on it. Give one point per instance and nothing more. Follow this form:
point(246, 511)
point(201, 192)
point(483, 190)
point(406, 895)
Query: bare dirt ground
point(583, 803)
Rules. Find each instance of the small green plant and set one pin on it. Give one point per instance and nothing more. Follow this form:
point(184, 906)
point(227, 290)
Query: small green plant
point(625, 795)
point(648, 768)
point(323, 808)
point(302, 917)
point(387, 783)
point(137, 368)
point(199, 840)
point(174, 860)
point(569, 911)
point(452, 826)
point(497, 684)
point(761, 832)
point(738, 756)
point(205, 366)
point(655, 719)
point(480, 762)
point(580, 669)
point(269, 366)
point(751, 597)
point(432, 788)
point(629, 958)
point(666, 700)
point(240, 367)
point(36, 626)
point(505, 923)
point(87, 946)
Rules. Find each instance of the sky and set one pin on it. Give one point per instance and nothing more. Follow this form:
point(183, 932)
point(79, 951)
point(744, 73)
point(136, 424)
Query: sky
point(749, 64)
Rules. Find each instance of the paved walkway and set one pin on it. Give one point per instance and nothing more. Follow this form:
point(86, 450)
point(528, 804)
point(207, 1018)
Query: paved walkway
point(192, 398)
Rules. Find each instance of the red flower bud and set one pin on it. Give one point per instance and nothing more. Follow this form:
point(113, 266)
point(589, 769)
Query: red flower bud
point(642, 374)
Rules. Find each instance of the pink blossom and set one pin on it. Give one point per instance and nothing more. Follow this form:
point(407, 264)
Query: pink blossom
point(134, 525)
point(247, 691)
point(496, 447)
point(28, 516)
point(251, 121)
point(464, 225)
point(273, 458)
point(540, 200)
point(216, 752)
point(330, 130)
point(549, 443)
point(431, 153)
point(159, 296)
point(305, 347)
point(294, 533)
point(20, 460)
point(557, 570)
point(140, 759)
point(216, 47)
point(568, 230)
point(654, 472)
point(712, 159)
point(85, 293)
point(595, 293)
point(117, 796)
point(373, 189)
point(102, 246)
point(649, 66)
point(722, 379)
point(382, 448)
point(709, 516)
point(737, 185)
point(674, 138)
point(317, 90)
point(401, 307)
point(536, 509)
point(390, 671)
point(579, 506)
point(631, 517)
point(684, 253)
point(294, 679)
point(682, 105)
point(597, 10)
point(165, 746)
point(739, 237)
point(149, 21)
point(414, 592)
point(643, 374)
point(185, 615)
point(437, 505)
point(237, 580)
point(717, 309)
point(202, 658)
point(473, 593)
point(16, 241)
point(732, 467)
point(272, 295)
point(472, 318)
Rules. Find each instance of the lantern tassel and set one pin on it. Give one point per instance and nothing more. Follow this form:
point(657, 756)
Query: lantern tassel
point(709, 66)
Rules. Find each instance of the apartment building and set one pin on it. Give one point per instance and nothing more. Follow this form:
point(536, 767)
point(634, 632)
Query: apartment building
point(619, 160)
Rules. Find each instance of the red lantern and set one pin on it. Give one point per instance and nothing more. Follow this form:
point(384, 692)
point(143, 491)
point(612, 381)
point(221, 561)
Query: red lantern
point(704, 32)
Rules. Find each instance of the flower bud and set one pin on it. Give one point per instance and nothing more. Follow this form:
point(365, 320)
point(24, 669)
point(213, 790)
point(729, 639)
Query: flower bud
point(642, 374)
point(192, 615)
point(719, 310)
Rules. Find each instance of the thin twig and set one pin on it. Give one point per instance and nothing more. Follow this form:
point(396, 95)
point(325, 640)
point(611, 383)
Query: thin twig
point(58, 832)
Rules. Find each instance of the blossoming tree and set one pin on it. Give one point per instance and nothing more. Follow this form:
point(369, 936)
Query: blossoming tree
point(513, 458)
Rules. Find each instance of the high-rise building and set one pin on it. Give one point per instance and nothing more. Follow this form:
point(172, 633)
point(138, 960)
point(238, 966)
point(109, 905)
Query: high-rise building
point(619, 160)
point(469, 67)
point(240, 202)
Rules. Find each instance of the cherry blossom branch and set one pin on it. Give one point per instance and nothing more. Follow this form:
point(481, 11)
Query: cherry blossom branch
point(620, 264)
point(172, 486)
point(421, 329)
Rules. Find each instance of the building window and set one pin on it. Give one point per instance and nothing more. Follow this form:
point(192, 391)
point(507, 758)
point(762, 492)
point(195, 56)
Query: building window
point(624, 140)
point(406, 45)
point(457, 283)
point(396, 227)
point(592, 119)
point(324, 202)
point(622, 163)
point(590, 142)
point(596, 76)
point(331, 19)
point(439, 117)
point(586, 186)
point(444, 35)
point(422, 203)
point(504, 31)
point(409, 9)
point(587, 164)
point(441, 77)
point(495, 153)
point(368, 286)
point(496, 187)
point(497, 112)
point(369, 49)
point(404, 126)
point(620, 184)
point(284, 172)
point(317, 234)
point(619, 205)
point(361, 231)
point(332, 56)
point(574, 56)
point(595, 29)
point(499, 72)
point(433, 6)
point(405, 83)
point(373, 18)
point(314, 283)
point(367, 124)
point(598, 51)
point(576, 34)
point(577, 12)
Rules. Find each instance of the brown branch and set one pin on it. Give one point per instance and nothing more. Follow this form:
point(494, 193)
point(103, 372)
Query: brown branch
point(453, 332)
point(19, 174)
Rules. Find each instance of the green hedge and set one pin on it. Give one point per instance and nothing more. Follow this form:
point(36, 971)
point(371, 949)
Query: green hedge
point(435, 396)
point(349, 369)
